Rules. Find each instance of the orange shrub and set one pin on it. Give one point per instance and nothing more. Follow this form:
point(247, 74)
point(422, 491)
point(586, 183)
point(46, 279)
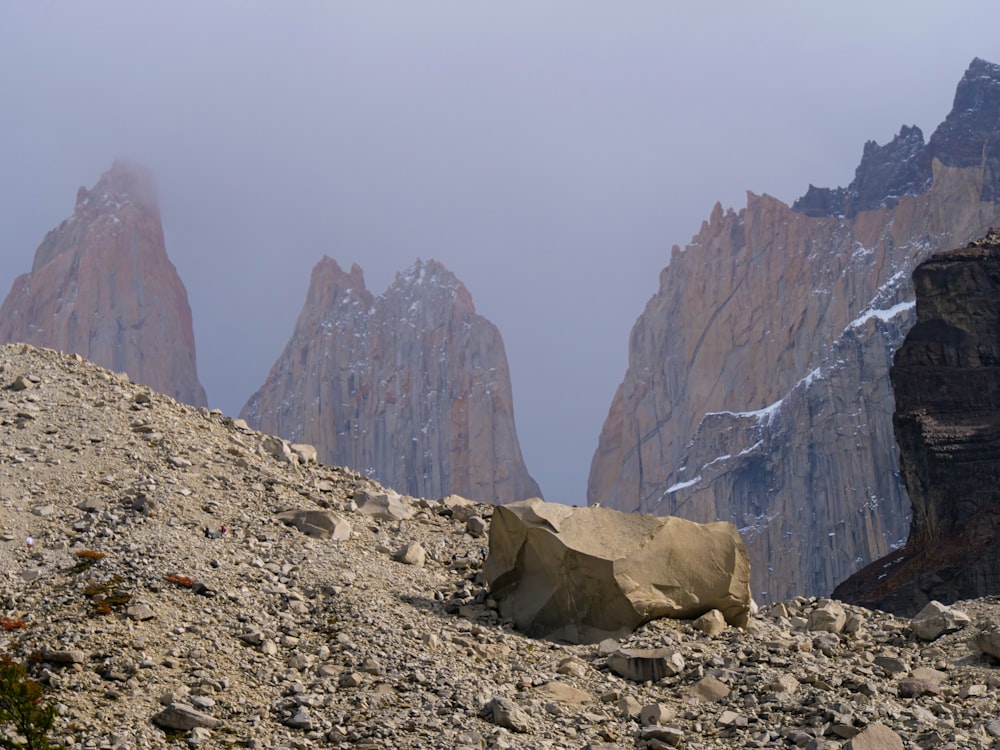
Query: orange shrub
point(89, 555)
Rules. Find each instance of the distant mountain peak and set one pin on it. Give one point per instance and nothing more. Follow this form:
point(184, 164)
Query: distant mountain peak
point(758, 390)
point(411, 386)
point(968, 137)
point(101, 285)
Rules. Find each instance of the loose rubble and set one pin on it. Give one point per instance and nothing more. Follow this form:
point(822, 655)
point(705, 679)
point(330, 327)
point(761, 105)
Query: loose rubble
point(149, 634)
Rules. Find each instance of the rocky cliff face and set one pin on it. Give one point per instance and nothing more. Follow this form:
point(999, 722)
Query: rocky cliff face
point(412, 387)
point(946, 378)
point(102, 286)
point(757, 390)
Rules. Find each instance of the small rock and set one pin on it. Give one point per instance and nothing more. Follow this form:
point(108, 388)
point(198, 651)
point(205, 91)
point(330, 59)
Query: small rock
point(642, 665)
point(993, 728)
point(563, 693)
point(988, 641)
point(891, 665)
point(183, 717)
point(385, 506)
point(935, 619)
point(911, 687)
point(306, 453)
point(475, 526)
point(668, 735)
point(876, 737)
point(655, 714)
point(709, 689)
point(829, 616)
point(412, 554)
point(300, 720)
point(140, 612)
point(711, 623)
point(351, 679)
point(63, 656)
point(505, 713)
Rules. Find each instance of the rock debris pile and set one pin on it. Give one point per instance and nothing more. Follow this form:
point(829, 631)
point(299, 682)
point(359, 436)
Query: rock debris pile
point(335, 613)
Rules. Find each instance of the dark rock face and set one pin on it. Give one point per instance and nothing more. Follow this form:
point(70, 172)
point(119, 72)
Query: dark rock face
point(758, 385)
point(102, 286)
point(886, 173)
point(969, 137)
point(411, 387)
point(946, 379)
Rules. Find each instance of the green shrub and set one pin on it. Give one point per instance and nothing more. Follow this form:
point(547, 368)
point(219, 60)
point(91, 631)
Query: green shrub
point(25, 719)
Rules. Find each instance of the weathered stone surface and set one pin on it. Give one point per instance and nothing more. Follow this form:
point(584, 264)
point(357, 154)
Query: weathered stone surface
point(646, 665)
point(321, 524)
point(876, 737)
point(911, 687)
point(584, 574)
point(936, 619)
point(946, 379)
point(554, 690)
point(102, 286)
point(412, 554)
point(988, 641)
point(709, 689)
point(758, 372)
point(413, 386)
point(183, 717)
point(385, 506)
point(828, 616)
point(64, 656)
point(505, 713)
point(712, 622)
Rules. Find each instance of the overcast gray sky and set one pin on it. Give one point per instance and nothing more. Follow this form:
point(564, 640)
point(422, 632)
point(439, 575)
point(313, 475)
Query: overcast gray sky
point(548, 152)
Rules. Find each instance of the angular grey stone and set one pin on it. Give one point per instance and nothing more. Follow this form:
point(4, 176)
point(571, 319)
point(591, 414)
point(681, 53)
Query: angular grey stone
point(505, 713)
point(829, 616)
point(306, 453)
point(279, 449)
point(553, 690)
point(669, 735)
point(460, 508)
point(936, 619)
point(709, 689)
point(988, 641)
point(655, 714)
point(412, 554)
point(300, 720)
point(385, 506)
point(64, 656)
point(711, 623)
point(892, 665)
point(475, 526)
point(184, 717)
point(646, 665)
point(140, 612)
point(876, 737)
point(320, 524)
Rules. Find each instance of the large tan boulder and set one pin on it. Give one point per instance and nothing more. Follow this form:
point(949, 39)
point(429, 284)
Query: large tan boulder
point(585, 574)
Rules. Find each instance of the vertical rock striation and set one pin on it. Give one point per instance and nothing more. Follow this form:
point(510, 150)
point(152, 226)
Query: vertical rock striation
point(946, 378)
point(412, 387)
point(757, 389)
point(102, 286)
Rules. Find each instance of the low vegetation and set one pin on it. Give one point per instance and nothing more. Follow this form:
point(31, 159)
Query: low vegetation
point(25, 717)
